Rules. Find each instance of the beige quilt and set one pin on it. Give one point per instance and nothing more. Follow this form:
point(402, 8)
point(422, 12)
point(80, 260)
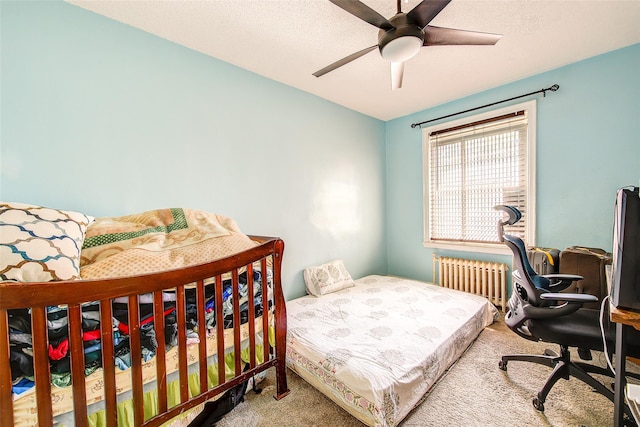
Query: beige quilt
point(158, 240)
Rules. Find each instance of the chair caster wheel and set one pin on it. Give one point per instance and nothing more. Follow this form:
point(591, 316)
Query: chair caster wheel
point(538, 404)
point(502, 365)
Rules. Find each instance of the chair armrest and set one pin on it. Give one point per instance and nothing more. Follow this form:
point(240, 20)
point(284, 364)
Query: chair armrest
point(570, 304)
point(560, 282)
point(557, 276)
point(581, 298)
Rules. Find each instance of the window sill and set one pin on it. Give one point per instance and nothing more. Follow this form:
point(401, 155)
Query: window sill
point(470, 247)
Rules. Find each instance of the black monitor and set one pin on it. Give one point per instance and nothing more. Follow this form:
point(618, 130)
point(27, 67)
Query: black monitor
point(625, 278)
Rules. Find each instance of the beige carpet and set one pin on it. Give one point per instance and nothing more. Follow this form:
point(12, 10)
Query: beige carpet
point(474, 392)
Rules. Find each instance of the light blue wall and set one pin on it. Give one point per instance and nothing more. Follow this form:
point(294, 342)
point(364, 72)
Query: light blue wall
point(588, 145)
point(108, 120)
point(99, 117)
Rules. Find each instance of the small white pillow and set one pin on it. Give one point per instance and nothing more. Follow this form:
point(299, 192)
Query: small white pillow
point(327, 278)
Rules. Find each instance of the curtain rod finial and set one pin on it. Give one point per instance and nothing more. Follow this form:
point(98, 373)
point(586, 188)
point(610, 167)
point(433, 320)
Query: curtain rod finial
point(553, 88)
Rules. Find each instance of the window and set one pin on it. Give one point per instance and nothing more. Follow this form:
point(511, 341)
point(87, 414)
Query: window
point(470, 166)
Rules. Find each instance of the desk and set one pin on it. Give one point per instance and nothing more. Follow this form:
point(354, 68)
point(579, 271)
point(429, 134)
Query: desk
point(625, 320)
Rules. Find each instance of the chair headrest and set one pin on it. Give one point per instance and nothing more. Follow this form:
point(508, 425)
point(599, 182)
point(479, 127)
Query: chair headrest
point(514, 214)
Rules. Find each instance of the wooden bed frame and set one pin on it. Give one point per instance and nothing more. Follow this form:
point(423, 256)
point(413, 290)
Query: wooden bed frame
point(38, 296)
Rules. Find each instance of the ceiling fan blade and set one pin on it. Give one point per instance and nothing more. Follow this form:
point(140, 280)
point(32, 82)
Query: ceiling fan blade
point(438, 36)
point(344, 61)
point(397, 72)
point(364, 12)
point(424, 12)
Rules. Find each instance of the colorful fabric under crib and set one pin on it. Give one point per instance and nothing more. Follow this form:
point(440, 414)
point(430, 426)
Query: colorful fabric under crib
point(58, 350)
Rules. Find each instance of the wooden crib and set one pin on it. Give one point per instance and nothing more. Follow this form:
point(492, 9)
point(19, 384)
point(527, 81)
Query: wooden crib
point(251, 340)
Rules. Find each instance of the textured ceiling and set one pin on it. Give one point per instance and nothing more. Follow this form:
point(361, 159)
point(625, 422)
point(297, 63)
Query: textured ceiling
point(288, 40)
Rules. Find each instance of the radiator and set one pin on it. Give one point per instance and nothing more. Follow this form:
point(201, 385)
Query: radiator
point(487, 279)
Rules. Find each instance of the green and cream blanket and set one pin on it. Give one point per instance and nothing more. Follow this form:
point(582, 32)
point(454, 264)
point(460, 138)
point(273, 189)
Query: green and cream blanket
point(158, 240)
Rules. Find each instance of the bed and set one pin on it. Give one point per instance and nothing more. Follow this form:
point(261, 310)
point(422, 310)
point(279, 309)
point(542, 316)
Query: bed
point(132, 321)
point(376, 345)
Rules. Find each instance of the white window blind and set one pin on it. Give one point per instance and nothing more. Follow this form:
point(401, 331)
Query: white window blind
point(471, 168)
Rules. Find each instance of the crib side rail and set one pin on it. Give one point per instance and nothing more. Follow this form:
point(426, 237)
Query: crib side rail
point(38, 296)
point(20, 294)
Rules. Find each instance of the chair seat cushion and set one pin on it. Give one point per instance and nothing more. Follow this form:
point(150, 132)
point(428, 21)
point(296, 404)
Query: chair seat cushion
point(582, 329)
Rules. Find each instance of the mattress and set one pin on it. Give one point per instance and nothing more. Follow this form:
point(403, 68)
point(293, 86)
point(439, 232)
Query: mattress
point(376, 348)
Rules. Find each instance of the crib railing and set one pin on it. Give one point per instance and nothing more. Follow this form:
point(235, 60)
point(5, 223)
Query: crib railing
point(72, 294)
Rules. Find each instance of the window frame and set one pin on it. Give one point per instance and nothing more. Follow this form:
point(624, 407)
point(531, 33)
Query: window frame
point(530, 173)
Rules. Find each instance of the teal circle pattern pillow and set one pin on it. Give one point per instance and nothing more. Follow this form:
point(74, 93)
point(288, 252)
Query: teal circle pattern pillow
point(40, 244)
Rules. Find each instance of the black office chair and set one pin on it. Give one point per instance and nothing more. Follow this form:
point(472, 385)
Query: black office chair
point(538, 312)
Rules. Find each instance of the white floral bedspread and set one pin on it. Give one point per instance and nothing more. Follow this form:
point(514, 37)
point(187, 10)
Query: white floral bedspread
point(377, 348)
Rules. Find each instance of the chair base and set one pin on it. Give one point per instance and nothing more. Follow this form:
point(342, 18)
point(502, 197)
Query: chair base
point(564, 367)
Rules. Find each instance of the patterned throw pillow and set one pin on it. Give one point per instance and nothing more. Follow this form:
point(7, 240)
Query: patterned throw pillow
point(327, 278)
point(39, 244)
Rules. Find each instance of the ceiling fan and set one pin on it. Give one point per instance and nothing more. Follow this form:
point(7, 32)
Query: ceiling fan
point(401, 37)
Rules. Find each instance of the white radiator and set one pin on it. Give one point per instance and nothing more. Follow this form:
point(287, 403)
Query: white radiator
point(487, 279)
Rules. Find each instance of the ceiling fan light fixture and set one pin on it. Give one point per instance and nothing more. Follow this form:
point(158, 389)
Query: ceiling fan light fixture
point(402, 42)
point(401, 49)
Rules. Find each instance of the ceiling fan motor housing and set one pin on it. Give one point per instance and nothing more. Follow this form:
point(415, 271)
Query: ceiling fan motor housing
point(402, 42)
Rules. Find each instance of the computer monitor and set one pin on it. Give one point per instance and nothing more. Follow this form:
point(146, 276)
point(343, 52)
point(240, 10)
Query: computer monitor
point(625, 278)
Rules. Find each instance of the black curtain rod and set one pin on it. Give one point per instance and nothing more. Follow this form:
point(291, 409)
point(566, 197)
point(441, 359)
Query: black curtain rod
point(543, 91)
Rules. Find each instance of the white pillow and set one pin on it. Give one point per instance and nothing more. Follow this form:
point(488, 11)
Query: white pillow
point(327, 278)
point(39, 244)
